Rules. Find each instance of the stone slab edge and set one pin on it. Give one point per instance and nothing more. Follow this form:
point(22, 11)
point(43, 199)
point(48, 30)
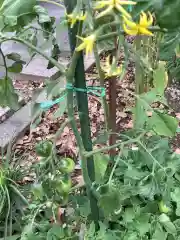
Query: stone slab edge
point(7, 112)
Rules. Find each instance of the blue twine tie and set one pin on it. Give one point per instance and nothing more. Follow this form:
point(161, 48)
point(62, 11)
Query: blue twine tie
point(98, 91)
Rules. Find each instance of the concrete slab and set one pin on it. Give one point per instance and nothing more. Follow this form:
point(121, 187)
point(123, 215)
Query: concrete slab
point(15, 125)
point(38, 65)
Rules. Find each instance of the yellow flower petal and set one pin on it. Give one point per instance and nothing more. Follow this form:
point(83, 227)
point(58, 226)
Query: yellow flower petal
point(130, 23)
point(132, 32)
point(87, 43)
point(123, 11)
point(83, 17)
point(143, 20)
point(150, 19)
point(101, 4)
point(105, 12)
point(145, 31)
point(108, 62)
point(81, 47)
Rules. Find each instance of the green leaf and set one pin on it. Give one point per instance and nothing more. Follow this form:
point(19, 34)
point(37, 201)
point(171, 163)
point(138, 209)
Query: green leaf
point(177, 224)
point(14, 237)
point(84, 209)
point(167, 11)
point(143, 103)
point(14, 56)
point(91, 231)
point(42, 14)
point(55, 55)
point(160, 78)
point(148, 190)
point(61, 109)
point(176, 198)
point(100, 162)
point(129, 215)
point(178, 209)
point(113, 197)
point(168, 45)
point(159, 233)
point(167, 224)
point(142, 224)
point(140, 114)
point(134, 173)
point(10, 20)
point(175, 195)
point(16, 14)
point(148, 98)
point(56, 232)
point(131, 236)
point(17, 7)
point(16, 67)
point(102, 138)
point(8, 96)
point(163, 124)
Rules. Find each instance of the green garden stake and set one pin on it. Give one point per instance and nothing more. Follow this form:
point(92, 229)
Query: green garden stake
point(82, 102)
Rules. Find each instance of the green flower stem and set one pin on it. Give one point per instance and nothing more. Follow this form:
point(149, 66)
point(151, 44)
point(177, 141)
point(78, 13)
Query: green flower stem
point(145, 48)
point(151, 61)
point(8, 213)
point(157, 29)
point(82, 102)
point(139, 79)
point(115, 165)
point(115, 34)
point(101, 77)
point(107, 36)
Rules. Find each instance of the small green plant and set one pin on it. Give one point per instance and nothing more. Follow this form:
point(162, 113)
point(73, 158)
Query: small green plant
point(12, 195)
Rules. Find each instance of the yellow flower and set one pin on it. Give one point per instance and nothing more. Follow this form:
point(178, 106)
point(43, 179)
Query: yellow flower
point(87, 43)
point(112, 70)
point(73, 18)
point(113, 4)
point(140, 28)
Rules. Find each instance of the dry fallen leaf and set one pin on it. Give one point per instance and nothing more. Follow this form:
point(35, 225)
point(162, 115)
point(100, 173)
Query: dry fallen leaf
point(129, 125)
point(177, 151)
point(178, 116)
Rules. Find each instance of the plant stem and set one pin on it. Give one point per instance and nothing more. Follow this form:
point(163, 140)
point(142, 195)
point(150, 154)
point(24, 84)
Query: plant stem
point(4, 62)
point(104, 149)
point(107, 36)
point(115, 165)
point(101, 78)
point(112, 114)
point(37, 50)
point(139, 81)
point(138, 70)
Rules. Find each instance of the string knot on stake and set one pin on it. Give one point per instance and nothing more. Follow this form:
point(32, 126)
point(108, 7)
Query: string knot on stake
point(95, 90)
